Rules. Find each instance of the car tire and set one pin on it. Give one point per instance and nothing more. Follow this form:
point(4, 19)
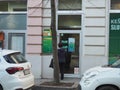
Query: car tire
point(1, 87)
point(107, 88)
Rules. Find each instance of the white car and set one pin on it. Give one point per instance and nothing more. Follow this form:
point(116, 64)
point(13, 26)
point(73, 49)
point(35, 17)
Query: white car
point(15, 73)
point(101, 78)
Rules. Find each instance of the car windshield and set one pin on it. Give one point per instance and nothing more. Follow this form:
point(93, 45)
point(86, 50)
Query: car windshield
point(15, 58)
point(116, 64)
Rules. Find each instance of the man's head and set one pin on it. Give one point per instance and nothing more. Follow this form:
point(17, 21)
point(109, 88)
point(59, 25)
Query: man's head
point(60, 45)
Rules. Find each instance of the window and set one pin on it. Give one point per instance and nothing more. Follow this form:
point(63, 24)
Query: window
point(13, 21)
point(17, 42)
point(114, 31)
point(69, 22)
point(13, 6)
point(18, 6)
point(15, 58)
point(3, 6)
point(115, 4)
point(69, 4)
point(114, 37)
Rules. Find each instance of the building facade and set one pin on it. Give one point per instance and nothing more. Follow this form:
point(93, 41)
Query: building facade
point(88, 29)
point(82, 26)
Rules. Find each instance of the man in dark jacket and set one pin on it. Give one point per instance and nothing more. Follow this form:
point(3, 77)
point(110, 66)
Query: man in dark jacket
point(61, 58)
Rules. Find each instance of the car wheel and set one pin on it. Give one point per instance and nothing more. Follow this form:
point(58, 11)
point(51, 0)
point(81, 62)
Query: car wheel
point(1, 87)
point(107, 88)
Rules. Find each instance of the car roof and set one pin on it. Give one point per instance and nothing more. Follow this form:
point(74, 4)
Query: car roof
point(6, 52)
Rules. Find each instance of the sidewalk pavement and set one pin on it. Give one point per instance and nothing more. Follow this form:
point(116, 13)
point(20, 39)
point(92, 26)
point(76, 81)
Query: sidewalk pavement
point(38, 81)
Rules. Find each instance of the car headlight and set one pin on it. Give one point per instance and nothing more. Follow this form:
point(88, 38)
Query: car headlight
point(89, 77)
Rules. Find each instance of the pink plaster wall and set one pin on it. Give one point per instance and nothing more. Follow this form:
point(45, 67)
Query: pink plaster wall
point(34, 40)
point(34, 3)
point(34, 21)
point(34, 12)
point(34, 27)
point(34, 49)
point(34, 30)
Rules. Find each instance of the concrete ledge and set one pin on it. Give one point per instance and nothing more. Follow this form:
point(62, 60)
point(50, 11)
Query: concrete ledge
point(47, 87)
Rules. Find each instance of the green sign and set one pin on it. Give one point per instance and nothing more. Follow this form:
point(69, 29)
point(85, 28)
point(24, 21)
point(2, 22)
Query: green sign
point(47, 41)
point(114, 25)
point(114, 37)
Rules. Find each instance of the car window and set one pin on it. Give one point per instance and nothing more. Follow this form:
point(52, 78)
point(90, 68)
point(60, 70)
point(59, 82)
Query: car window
point(116, 64)
point(15, 58)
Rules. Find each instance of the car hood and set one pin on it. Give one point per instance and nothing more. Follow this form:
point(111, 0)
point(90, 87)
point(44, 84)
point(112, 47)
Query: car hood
point(97, 70)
